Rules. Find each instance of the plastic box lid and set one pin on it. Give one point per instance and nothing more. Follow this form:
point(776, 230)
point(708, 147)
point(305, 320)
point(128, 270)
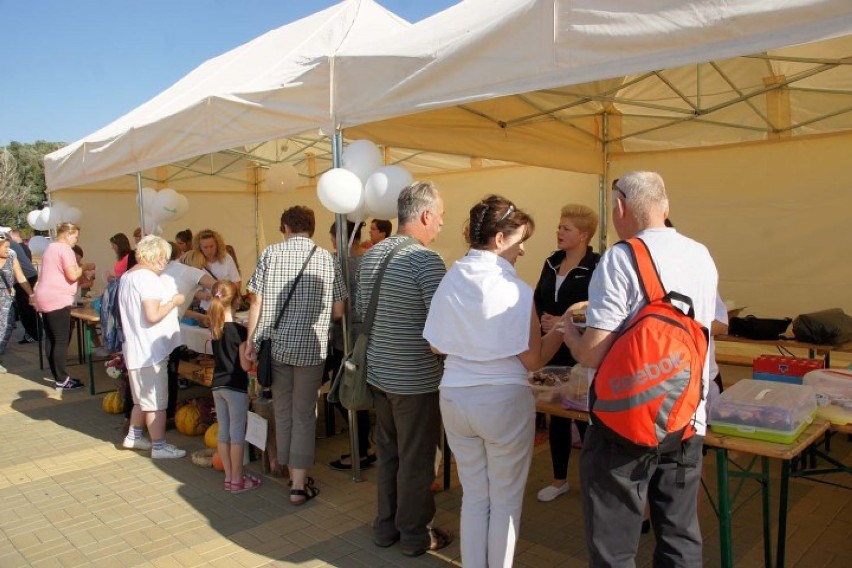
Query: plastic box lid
point(834, 384)
point(779, 407)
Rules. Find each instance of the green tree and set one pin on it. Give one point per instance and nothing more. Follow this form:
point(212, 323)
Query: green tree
point(23, 187)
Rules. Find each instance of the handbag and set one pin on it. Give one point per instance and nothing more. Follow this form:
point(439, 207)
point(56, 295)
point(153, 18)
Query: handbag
point(350, 384)
point(264, 354)
point(761, 329)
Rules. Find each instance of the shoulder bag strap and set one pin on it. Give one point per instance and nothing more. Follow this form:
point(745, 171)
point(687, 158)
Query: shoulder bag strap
point(293, 288)
point(374, 297)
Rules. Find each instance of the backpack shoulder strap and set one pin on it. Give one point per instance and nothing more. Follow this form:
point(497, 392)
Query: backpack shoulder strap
point(649, 278)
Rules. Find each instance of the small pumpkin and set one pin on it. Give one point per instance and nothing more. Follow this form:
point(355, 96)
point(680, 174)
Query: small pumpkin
point(113, 403)
point(187, 420)
point(217, 462)
point(211, 436)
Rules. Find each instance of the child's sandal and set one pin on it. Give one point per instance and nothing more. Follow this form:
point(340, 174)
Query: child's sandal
point(227, 485)
point(247, 483)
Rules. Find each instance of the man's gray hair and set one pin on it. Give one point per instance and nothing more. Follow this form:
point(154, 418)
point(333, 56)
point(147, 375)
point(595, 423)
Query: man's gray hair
point(644, 191)
point(418, 197)
point(153, 249)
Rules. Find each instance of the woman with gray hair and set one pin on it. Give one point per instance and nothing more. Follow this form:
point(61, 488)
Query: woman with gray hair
point(151, 332)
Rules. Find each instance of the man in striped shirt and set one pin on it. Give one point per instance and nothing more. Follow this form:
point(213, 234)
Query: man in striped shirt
point(404, 373)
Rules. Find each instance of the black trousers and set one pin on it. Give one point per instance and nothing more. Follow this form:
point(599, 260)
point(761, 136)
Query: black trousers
point(57, 331)
point(27, 313)
point(561, 443)
point(172, 371)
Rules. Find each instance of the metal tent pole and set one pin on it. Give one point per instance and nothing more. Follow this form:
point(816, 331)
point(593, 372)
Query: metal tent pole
point(343, 258)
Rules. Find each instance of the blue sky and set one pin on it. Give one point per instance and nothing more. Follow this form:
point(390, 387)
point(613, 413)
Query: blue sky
point(69, 67)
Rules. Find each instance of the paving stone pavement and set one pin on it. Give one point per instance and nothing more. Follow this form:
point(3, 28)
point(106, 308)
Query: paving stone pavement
point(70, 497)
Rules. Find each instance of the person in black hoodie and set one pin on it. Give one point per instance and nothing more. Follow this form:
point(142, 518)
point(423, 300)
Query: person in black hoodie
point(564, 281)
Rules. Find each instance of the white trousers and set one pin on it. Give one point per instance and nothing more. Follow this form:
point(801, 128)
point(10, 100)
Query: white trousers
point(491, 430)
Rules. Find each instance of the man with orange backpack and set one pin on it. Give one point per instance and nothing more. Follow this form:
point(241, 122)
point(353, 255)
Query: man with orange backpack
point(651, 301)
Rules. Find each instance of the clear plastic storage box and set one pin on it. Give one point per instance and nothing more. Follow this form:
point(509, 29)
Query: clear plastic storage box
point(775, 412)
point(834, 393)
point(549, 382)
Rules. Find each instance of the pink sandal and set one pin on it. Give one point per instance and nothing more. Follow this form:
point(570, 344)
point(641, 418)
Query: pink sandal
point(227, 485)
point(247, 483)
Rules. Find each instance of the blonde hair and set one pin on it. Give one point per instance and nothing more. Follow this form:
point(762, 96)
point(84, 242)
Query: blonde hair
point(63, 228)
point(223, 292)
point(211, 234)
point(583, 217)
point(152, 249)
point(194, 258)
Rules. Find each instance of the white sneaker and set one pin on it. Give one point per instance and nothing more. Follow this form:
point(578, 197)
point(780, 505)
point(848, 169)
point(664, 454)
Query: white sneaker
point(136, 443)
point(168, 452)
point(551, 492)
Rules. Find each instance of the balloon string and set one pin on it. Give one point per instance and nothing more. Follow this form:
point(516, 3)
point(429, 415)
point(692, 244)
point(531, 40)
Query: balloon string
point(354, 230)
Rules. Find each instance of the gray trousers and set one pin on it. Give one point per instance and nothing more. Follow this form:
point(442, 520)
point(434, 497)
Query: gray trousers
point(408, 431)
point(615, 485)
point(294, 399)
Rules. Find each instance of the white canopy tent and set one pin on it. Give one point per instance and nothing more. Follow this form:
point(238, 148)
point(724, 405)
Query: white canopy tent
point(588, 85)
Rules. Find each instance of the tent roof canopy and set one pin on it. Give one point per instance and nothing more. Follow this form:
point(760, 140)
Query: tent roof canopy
point(544, 82)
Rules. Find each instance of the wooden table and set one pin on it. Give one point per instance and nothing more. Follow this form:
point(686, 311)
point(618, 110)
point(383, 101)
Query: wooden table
point(763, 450)
point(773, 345)
point(757, 448)
point(81, 317)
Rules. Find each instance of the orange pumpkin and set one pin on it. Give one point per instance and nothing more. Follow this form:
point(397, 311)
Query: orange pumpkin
point(211, 436)
point(217, 462)
point(187, 420)
point(113, 403)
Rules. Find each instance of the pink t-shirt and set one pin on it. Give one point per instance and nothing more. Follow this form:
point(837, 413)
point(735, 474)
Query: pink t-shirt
point(121, 266)
point(53, 290)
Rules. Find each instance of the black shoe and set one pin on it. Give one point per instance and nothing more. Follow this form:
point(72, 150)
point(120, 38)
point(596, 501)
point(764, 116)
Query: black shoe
point(26, 339)
point(438, 538)
point(366, 462)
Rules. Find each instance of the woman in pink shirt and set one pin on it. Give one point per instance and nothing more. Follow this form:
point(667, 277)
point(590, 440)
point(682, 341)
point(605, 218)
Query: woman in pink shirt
point(121, 246)
point(54, 297)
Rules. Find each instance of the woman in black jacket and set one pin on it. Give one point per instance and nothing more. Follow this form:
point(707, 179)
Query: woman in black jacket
point(564, 281)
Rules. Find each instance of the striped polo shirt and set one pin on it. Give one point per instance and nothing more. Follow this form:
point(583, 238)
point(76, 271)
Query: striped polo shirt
point(399, 359)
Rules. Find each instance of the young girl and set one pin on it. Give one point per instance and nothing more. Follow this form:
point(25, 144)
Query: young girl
point(230, 386)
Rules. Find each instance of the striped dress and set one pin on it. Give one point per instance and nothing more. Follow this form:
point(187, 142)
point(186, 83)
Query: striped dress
point(399, 359)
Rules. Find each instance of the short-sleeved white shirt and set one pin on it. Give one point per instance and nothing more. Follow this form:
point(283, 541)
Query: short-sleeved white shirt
point(224, 270)
point(145, 343)
point(179, 278)
point(720, 316)
point(684, 265)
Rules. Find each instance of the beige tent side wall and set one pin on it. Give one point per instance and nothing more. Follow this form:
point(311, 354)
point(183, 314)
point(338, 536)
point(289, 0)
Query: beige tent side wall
point(541, 191)
point(775, 216)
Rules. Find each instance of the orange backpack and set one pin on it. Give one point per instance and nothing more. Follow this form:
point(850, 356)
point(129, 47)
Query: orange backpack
point(649, 384)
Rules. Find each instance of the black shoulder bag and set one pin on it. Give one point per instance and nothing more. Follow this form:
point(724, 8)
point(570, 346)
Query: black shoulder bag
point(264, 354)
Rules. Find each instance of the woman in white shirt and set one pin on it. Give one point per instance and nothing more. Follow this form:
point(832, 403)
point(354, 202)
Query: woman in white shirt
point(483, 318)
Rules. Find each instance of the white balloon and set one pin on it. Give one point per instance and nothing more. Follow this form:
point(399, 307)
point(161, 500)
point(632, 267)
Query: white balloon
point(362, 158)
point(360, 213)
point(44, 219)
point(281, 178)
point(148, 197)
point(34, 219)
point(340, 191)
point(166, 205)
point(57, 213)
point(73, 215)
point(149, 224)
point(38, 244)
point(383, 188)
point(182, 207)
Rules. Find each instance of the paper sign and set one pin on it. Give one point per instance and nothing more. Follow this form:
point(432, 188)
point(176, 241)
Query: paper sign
point(256, 431)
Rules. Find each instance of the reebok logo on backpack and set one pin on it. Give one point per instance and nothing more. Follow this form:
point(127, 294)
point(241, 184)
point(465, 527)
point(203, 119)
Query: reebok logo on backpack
point(649, 385)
